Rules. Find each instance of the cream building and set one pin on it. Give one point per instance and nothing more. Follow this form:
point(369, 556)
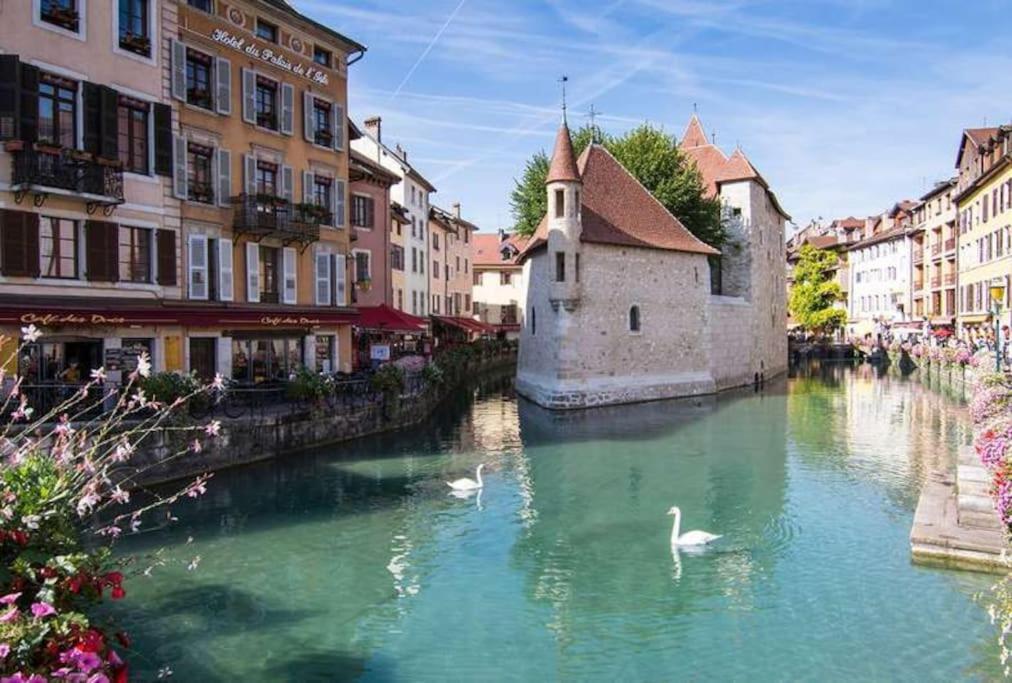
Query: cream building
point(933, 257)
point(497, 280)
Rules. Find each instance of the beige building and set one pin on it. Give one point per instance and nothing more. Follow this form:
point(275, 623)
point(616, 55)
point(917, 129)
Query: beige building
point(450, 281)
point(400, 222)
point(497, 280)
point(933, 243)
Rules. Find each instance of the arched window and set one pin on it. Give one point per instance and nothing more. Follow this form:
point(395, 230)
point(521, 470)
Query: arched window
point(634, 319)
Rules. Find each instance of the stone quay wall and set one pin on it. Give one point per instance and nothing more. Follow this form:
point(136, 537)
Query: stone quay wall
point(261, 437)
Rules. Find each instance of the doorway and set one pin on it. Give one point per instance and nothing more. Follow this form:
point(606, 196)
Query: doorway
point(203, 358)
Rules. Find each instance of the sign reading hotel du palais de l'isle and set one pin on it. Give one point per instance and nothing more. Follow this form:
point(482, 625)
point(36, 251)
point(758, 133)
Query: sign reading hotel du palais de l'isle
point(268, 55)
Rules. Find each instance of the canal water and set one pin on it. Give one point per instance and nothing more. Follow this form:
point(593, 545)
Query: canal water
point(354, 563)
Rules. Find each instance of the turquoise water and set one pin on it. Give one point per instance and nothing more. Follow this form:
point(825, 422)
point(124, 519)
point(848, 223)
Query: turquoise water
point(355, 564)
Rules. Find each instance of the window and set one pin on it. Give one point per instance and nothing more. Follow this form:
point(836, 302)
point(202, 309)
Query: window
point(270, 274)
point(134, 254)
point(397, 257)
point(634, 319)
point(477, 279)
point(560, 203)
point(322, 57)
point(362, 212)
point(58, 247)
point(435, 241)
point(267, 31)
point(505, 278)
point(414, 260)
point(198, 79)
point(266, 360)
point(267, 178)
point(362, 266)
point(266, 103)
point(435, 269)
point(204, 5)
point(62, 13)
point(199, 174)
point(57, 111)
point(134, 34)
point(133, 135)
point(324, 353)
point(323, 134)
point(322, 190)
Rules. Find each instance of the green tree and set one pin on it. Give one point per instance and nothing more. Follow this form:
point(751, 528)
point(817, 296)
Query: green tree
point(653, 158)
point(814, 293)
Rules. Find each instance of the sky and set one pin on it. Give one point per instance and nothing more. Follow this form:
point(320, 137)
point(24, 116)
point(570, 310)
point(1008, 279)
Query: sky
point(844, 106)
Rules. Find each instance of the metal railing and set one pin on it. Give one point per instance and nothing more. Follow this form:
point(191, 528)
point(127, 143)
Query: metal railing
point(950, 244)
point(266, 215)
point(39, 167)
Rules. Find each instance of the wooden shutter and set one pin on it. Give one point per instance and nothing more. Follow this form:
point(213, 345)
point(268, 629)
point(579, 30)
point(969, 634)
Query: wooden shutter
point(178, 50)
point(323, 285)
point(287, 183)
point(249, 89)
point(340, 279)
point(339, 202)
point(163, 140)
point(197, 258)
point(252, 272)
point(91, 93)
point(166, 248)
point(308, 120)
point(109, 146)
point(249, 177)
point(224, 177)
point(308, 180)
point(287, 109)
point(180, 179)
point(29, 103)
point(10, 70)
point(101, 245)
point(20, 242)
point(223, 89)
point(339, 126)
point(225, 270)
point(290, 266)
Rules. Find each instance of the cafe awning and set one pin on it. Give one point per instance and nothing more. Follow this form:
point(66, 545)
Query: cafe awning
point(465, 324)
point(384, 318)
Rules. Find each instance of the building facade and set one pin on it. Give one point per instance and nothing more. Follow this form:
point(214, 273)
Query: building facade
point(933, 257)
point(371, 223)
point(497, 280)
point(260, 159)
point(411, 193)
point(450, 280)
point(984, 204)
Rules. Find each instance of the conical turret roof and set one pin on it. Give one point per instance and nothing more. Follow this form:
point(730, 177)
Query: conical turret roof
point(563, 166)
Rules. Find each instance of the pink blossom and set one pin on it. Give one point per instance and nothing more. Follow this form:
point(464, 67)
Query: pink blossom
point(41, 610)
point(120, 496)
point(213, 428)
point(9, 616)
point(196, 447)
point(5, 650)
point(124, 449)
point(10, 598)
point(219, 382)
point(198, 488)
point(99, 678)
point(87, 503)
point(31, 333)
point(23, 678)
point(98, 374)
point(111, 531)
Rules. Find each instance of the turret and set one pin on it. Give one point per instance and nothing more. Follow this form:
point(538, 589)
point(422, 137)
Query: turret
point(565, 223)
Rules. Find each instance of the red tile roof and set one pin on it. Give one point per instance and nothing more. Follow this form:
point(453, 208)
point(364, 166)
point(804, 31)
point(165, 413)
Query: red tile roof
point(710, 161)
point(618, 210)
point(738, 167)
point(694, 136)
point(486, 249)
point(563, 158)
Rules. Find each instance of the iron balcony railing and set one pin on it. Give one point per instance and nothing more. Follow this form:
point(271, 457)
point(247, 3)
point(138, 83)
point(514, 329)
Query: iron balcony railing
point(38, 169)
point(261, 215)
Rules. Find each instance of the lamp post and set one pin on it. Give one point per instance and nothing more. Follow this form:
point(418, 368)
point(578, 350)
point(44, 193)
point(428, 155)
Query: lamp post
point(997, 290)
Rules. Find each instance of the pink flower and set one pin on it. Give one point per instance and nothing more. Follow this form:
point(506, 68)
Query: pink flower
point(196, 447)
point(120, 496)
point(9, 616)
point(23, 678)
point(87, 503)
point(213, 428)
point(41, 610)
point(219, 382)
point(10, 598)
point(123, 451)
point(5, 650)
point(112, 531)
point(31, 333)
point(87, 661)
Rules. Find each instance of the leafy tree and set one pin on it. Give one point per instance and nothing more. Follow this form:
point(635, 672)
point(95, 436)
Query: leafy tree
point(652, 157)
point(814, 293)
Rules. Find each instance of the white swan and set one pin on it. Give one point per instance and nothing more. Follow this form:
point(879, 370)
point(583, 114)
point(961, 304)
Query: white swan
point(689, 538)
point(467, 484)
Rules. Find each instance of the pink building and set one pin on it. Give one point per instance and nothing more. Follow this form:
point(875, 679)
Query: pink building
point(371, 225)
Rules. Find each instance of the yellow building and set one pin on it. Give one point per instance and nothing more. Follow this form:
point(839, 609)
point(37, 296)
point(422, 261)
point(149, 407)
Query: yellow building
point(934, 256)
point(984, 205)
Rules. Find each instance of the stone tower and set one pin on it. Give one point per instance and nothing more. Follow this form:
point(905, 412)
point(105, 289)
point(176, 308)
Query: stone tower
point(565, 223)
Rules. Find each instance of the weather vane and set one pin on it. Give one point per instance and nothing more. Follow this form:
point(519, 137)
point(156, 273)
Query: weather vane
point(592, 115)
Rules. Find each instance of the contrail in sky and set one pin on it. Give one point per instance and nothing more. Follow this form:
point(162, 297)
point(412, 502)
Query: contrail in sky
point(426, 51)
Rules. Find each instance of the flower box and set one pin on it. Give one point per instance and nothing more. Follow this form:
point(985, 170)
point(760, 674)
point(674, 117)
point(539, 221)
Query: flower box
point(135, 43)
point(62, 16)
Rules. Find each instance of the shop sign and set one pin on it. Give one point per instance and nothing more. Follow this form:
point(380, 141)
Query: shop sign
point(71, 319)
point(113, 359)
point(268, 55)
point(379, 352)
point(275, 321)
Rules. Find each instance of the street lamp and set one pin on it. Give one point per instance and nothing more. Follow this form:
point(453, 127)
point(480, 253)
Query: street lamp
point(997, 290)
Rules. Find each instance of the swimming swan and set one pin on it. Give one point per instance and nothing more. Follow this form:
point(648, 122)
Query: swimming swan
point(466, 484)
point(689, 538)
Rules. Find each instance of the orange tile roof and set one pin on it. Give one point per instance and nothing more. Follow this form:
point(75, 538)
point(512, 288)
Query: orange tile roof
point(738, 167)
point(563, 158)
point(694, 136)
point(486, 249)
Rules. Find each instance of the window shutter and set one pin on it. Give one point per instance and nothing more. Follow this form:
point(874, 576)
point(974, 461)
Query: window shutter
point(10, 67)
point(101, 251)
point(323, 284)
point(225, 278)
point(179, 176)
point(249, 165)
point(287, 109)
point(223, 92)
point(91, 94)
point(29, 103)
point(339, 201)
point(290, 264)
point(163, 140)
point(308, 120)
point(340, 280)
point(288, 183)
point(249, 89)
point(178, 50)
point(197, 280)
point(252, 271)
point(224, 177)
point(110, 124)
point(166, 248)
point(20, 243)
point(308, 179)
point(339, 127)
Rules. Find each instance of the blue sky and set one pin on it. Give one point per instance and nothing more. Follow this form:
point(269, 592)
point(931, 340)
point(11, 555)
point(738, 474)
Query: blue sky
point(843, 105)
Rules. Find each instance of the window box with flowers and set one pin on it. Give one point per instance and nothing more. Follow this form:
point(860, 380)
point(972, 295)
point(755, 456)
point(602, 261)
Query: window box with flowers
point(136, 43)
point(64, 17)
point(365, 284)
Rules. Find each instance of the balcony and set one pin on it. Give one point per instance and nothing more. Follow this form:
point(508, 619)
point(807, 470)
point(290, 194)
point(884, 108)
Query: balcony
point(950, 279)
point(918, 255)
point(262, 215)
point(936, 282)
point(918, 284)
point(936, 249)
point(950, 245)
point(44, 170)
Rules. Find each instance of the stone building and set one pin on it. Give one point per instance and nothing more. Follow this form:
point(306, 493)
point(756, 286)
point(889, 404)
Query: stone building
point(619, 305)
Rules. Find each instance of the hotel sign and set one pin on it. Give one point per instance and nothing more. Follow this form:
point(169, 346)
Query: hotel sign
point(268, 55)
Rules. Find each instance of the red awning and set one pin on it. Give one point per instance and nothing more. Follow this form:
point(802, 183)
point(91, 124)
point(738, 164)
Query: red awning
point(384, 318)
point(466, 324)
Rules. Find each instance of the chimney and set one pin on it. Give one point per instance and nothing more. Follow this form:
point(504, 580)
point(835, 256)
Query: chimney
point(456, 209)
point(400, 152)
point(374, 126)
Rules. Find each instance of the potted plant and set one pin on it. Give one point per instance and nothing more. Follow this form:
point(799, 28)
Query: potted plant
point(365, 284)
